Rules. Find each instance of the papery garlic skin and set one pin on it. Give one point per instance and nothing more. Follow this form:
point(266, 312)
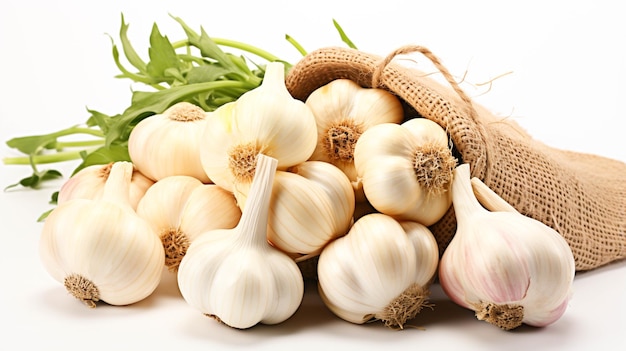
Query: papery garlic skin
point(100, 249)
point(311, 204)
point(509, 268)
point(235, 275)
point(181, 208)
point(380, 270)
point(264, 120)
point(88, 183)
point(168, 144)
point(406, 170)
point(343, 111)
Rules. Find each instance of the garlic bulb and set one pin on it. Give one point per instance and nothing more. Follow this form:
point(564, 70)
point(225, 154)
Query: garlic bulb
point(264, 120)
point(88, 183)
point(235, 275)
point(311, 204)
point(100, 249)
point(380, 270)
point(168, 144)
point(508, 268)
point(406, 169)
point(180, 208)
point(343, 111)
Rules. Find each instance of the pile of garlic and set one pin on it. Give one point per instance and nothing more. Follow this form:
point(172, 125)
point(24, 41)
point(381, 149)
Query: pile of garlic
point(231, 200)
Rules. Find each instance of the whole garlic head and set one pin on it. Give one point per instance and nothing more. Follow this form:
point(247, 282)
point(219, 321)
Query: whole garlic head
point(100, 250)
point(380, 270)
point(265, 120)
point(406, 169)
point(508, 268)
point(235, 275)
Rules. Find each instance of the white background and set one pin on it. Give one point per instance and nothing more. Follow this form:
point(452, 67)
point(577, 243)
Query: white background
point(567, 87)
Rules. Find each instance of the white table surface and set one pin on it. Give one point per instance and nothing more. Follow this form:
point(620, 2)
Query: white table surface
point(567, 87)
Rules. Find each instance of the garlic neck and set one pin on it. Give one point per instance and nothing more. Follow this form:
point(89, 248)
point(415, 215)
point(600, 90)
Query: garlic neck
point(463, 199)
point(252, 227)
point(274, 78)
point(117, 186)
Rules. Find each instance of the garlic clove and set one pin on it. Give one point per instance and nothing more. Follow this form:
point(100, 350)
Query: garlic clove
point(311, 205)
point(425, 246)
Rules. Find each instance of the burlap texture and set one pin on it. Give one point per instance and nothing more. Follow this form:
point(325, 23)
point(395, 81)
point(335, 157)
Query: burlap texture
point(582, 196)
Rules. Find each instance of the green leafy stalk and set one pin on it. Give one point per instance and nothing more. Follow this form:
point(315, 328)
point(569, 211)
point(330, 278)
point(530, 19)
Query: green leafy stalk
point(195, 69)
point(343, 35)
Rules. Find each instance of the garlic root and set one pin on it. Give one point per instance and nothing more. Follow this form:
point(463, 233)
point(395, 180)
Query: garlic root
point(175, 243)
point(405, 307)
point(505, 316)
point(83, 289)
point(433, 165)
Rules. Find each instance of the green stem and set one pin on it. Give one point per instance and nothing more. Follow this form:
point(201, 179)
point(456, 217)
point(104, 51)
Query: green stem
point(70, 144)
point(42, 159)
point(78, 130)
point(296, 45)
point(234, 44)
point(246, 47)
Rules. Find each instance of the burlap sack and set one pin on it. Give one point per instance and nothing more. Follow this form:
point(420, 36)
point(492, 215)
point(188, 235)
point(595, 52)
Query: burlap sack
point(581, 196)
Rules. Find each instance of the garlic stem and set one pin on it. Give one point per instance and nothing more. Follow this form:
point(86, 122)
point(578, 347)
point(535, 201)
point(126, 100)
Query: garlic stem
point(463, 198)
point(274, 78)
point(117, 187)
point(254, 218)
point(489, 198)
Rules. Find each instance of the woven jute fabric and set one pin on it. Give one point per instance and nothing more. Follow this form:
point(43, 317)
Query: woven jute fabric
point(582, 196)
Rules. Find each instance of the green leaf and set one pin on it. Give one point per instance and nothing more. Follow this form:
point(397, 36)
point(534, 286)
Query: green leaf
point(205, 73)
point(130, 53)
point(34, 181)
point(44, 215)
point(296, 44)
point(104, 155)
point(33, 144)
point(99, 119)
point(343, 35)
point(162, 55)
point(54, 198)
point(141, 77)
point(50, 174)
point(208, 48)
